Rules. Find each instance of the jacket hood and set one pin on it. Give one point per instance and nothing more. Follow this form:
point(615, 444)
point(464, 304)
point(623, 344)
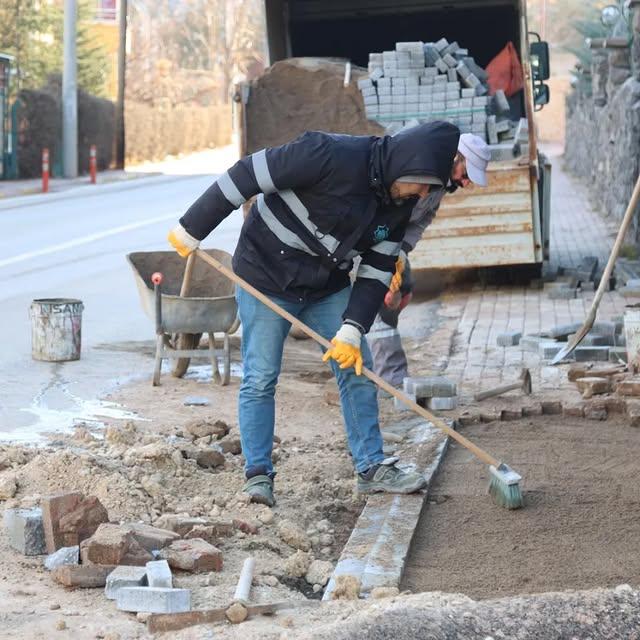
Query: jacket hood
point(428, 149)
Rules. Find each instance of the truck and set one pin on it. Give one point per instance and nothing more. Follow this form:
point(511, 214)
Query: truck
point(503, 224)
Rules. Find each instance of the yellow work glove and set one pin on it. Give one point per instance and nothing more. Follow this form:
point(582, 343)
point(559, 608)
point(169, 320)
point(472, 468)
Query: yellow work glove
point(396, 279)
point(346, 348)
point(183, 242)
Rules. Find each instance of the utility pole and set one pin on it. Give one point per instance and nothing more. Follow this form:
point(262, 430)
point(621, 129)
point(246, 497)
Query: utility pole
point(122, 59)
point(70, 92)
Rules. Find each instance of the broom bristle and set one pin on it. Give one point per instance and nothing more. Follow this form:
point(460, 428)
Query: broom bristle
point(504, 487)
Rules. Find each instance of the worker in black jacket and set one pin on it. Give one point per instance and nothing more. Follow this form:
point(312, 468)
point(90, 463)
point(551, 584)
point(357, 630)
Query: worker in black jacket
point(323, 199)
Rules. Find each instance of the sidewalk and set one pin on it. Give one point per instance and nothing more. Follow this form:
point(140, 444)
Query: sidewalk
point(465, 348)
point(209, 161)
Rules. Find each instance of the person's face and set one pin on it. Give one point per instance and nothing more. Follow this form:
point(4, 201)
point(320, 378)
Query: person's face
point(459, 175)
point(408, 190)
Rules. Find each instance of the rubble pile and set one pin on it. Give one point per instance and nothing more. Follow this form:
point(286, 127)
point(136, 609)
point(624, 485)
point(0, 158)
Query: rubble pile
point(419, 82)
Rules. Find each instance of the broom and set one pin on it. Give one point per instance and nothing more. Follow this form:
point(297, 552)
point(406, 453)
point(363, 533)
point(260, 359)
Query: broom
point(504, 483)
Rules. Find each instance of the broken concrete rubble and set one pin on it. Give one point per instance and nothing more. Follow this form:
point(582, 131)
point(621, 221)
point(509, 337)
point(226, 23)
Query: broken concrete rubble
point(195, 555)
point(64, 555)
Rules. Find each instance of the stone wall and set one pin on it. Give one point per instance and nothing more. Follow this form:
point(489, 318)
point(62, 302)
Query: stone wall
point(603, 128)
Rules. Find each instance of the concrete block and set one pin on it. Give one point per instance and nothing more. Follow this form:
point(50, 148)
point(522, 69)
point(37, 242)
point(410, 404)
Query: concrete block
point(159, 574)
point(451, 48)
point(65, 555)
point(532, 343)
point(509, 338)
point(549, 350)
point(441, 45)
point(124, 576)
point(595, 410)
point(551, 407)
point(562, 293)
point(441, 66)
point(365, 83)
point(500, 152)
point(503, 125)
point(465, 92)
point(376, 74)
point(431, 55)
point(500, 102)
point(429, 387)
point(443, 404)
point(450, 61)
point(471, 81)
point(563, 331)
point(153, 600)
point(492, 133)
point(595, 340)
point(25, 530)
point(440, 80)
point(451, 75)
point(401, 406)
point(588, 354)
point(476, 69)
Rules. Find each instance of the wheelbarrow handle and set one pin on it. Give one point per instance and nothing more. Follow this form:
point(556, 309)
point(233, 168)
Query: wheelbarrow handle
point(156, 279)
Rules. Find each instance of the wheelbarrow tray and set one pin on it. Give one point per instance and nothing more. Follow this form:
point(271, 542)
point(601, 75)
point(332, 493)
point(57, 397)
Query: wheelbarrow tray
point(210, 306)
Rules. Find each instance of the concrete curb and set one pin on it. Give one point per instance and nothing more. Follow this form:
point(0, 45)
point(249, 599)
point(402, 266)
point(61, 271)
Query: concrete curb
point(377, 549)
point(83, 191)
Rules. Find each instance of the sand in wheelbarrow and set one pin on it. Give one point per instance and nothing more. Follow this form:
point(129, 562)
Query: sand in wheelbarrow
point(579, 528)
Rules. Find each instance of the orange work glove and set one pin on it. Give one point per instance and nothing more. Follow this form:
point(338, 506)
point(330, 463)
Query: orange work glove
point(183, 242)
point(346, 348)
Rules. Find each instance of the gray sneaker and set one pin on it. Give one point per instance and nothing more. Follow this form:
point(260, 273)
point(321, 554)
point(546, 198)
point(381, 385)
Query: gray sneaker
point(390, 479)
point(260, 488)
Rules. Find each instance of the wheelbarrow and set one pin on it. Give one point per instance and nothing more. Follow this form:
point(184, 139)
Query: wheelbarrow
point(209, 308)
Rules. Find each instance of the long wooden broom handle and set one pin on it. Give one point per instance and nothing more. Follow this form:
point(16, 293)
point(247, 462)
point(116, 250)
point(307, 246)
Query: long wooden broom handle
point(440, 424)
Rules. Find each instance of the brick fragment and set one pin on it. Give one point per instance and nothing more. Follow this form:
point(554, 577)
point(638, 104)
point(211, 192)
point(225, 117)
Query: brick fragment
point(509, 338)
point(84, 576)
point(81, 523)
point(25, 530)
point(194, 555)
point(510, 414)
point(53, 508)
point(595, 410)
point(246, 526)
point(124, 576)
point(591, 386)
point(582, 370)
point(616, 405)
point(182, 525)
point(467, 419)
point(153, 600)
point(534, 409)
point(113, 544)
point(633, 413)
point(159, 574)
point(629, 387)
point(551, 407)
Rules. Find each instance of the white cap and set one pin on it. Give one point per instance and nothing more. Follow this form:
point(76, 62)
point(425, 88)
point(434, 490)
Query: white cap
point(477, 154)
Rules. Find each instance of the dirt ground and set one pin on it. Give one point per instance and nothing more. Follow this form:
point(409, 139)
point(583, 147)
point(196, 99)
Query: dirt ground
point(139, 471)
point(580, 521)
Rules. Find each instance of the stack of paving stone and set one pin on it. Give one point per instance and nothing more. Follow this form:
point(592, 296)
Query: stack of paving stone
point(420, 82)
point(436, 392)
point(568, 282)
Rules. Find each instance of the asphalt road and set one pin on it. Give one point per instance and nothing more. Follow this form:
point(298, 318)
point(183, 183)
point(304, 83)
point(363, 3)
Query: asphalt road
point(74, 246)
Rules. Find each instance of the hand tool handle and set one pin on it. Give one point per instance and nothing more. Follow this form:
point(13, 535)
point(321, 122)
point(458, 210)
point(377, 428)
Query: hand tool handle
point(186, 278)
point(437, 422)
point(496, 391)
point(156, 279)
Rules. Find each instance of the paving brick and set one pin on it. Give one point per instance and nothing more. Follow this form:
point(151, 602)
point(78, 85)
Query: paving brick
point(84, 576)
point(149, 537)
point(159, 574)
point(53, 508)
point(500, 102)
point(511, 414)
point(532, 343)
point(509, 338)
point(25, 530)
point(551, 407)
point(616, 405)
point(501, 151)
point(591, 386)
point(604, 328)
point(194, 555)
point(566, 293)
point(112, 544)
point(594, 340)
point(533, 409)
point(152, 600)
point(124, 576)
point(629, 387)
point(595, 410)
point(448, 403)
point(549, 350)
point(573, 409)
point(64, 555)
point(467, 419)
point(490, 415)
point(562, 332)
point(430, 386)
point(591, 354)
point(633, 413)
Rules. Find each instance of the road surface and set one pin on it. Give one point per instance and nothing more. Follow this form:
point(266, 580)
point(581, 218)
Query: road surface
point(74, 246)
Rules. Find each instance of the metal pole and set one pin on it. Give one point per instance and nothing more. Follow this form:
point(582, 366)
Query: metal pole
point(122, 57)
point(70, 92)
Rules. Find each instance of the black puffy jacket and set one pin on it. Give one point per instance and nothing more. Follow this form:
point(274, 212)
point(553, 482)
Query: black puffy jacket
point(323, 200)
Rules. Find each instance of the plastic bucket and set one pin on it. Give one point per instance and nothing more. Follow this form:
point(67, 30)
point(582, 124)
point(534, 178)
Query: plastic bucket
point(56, 329)
point(632, 333)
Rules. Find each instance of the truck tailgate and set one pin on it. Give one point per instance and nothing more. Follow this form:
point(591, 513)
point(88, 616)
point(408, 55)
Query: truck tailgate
point(483, 226)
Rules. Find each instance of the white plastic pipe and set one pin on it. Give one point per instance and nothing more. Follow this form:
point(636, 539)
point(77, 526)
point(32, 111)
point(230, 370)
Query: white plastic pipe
point(244, 583)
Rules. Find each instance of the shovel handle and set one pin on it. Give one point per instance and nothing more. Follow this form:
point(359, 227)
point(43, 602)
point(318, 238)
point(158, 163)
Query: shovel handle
point(496, 391)
point(383, 384)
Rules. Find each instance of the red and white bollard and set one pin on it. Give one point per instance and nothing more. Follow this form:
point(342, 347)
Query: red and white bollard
point(93, 163)
point(45, 170)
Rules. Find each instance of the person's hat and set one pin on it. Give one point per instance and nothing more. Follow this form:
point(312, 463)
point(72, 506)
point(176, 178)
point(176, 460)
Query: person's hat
point(477, 154)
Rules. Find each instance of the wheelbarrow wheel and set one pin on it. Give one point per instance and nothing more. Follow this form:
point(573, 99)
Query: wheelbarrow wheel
point(185, 341)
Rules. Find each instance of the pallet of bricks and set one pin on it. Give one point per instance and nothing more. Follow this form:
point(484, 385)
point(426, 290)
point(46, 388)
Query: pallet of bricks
point(421, 82)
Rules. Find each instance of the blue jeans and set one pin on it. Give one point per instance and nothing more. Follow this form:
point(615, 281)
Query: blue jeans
point(263, 336)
